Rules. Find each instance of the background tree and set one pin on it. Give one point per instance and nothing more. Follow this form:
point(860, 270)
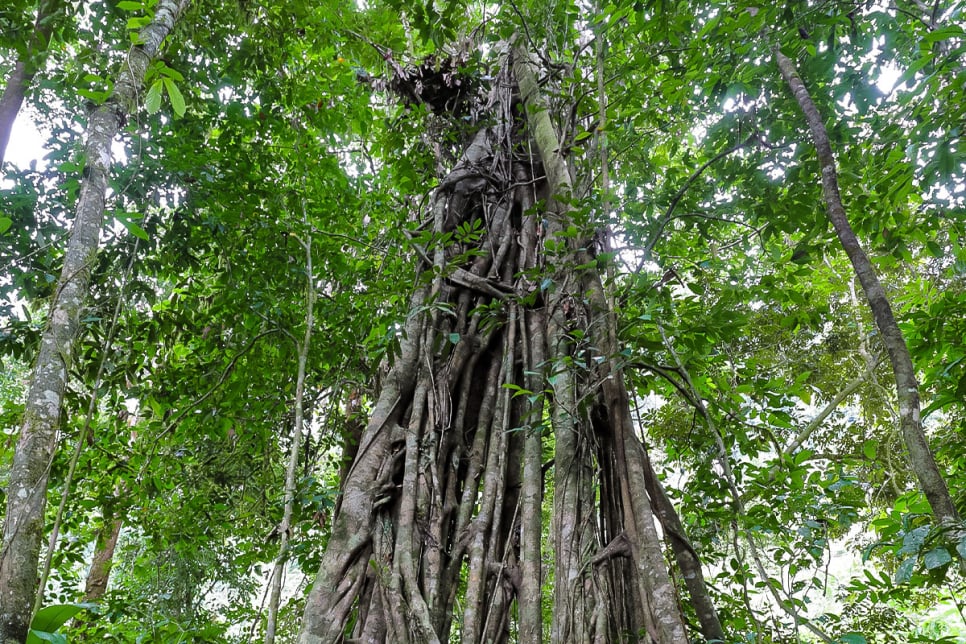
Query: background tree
point(26, 497)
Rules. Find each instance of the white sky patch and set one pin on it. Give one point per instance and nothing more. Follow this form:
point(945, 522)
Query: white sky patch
point(27, 143)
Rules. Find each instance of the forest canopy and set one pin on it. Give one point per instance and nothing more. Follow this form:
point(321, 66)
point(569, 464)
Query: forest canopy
point(445, 321)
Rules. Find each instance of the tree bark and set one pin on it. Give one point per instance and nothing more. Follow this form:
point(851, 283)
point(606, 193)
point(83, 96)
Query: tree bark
point(29, 476)
point(907, 385)
point(103, 559)
point(444, 499)
point(20, 77)
point(687, 559)
point(657, 595)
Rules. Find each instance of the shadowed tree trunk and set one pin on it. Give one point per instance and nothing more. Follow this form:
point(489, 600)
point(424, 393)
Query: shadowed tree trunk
point(29, 476)
point(26, 67)
point(509, 337)
point(103, 558)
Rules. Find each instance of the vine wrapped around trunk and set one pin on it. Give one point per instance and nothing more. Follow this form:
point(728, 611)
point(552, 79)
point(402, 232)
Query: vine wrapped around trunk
point(509, 338)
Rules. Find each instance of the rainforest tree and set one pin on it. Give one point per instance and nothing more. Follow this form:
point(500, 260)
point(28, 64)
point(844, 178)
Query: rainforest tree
point(454, 322)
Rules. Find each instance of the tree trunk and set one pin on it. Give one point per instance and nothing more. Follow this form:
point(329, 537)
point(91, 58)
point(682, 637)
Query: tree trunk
point(18, 81)
point(907, 385)
point(445, 495)
point(285, 528)
point(684, 554)
point(103, 559)
point(99, 574)
point(27, 493)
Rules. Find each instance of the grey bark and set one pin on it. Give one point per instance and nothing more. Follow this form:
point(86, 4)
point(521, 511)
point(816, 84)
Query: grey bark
point(444, 498)
point(656, 593)
point(346, 561)
point(573, 479)
point(29, 476)
point(531, 609)
point(907, 385)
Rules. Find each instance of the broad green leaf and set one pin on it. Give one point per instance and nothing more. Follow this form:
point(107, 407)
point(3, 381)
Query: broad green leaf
point(904, 571)
point(49, 619)
point(35, 637)
point(177, 100)
point(5, 223)
point(944, 33)
point(135, 24)
point(133, 228)
point(152, 102)
point(912, 541)
point(869, 449)
point(853, 638)
point(936, 557)
point(173, 74)
point(129, 5)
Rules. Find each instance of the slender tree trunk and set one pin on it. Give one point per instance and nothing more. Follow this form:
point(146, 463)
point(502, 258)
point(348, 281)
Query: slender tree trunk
point(18, 81)
point(687, 559)
point(907, 385)
point(103, 559)
point(285, 527)
point(531, 608)
point(99, 574)
point(29, 476)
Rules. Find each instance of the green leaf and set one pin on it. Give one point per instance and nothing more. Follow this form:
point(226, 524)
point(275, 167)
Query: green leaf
point(135, 24)
point(936, 558)
point(868, 448)
point(853, 638)
point(49, 619)
point(912, 541)
point(96, 97)
point(152, 102)
point(134, 229)
point(945, 33)
point(173, 74)
point(904, 571)
point(128, 5)
point(177, 100)
point(454, 338)
point(5, 223)
point(913, 68)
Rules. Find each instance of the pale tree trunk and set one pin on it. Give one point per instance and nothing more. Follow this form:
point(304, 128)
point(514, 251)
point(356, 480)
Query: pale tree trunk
point(907, 385)
point(285, 528)
point(439, 530)
point(29, 476)
point(18, 81)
